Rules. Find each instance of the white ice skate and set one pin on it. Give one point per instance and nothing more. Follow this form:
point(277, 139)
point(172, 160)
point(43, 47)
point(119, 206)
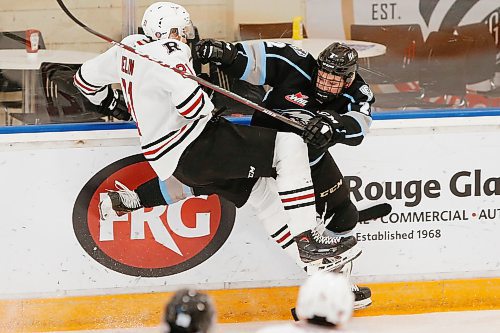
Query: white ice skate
point(118, 203)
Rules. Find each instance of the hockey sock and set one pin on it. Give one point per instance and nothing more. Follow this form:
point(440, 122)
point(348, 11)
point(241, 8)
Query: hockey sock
point(294, 182)
point(329, 185)
point(332, 195)
point(156, 192)
point(341, 218)
point(269, 210)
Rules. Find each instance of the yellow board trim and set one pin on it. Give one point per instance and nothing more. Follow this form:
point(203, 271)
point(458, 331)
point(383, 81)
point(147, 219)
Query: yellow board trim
point(238, 305)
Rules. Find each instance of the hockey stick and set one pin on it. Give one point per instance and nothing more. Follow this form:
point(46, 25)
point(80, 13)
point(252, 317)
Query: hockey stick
point(374, 212)
point(202, 82)
point(371, 71)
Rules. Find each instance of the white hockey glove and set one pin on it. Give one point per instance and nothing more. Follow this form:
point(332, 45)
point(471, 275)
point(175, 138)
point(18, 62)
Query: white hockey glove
point(216, 51)
point(114, 105)
point(323, 130)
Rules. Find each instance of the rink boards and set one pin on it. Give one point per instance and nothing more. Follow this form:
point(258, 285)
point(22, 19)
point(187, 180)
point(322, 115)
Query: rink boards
point(64, 268)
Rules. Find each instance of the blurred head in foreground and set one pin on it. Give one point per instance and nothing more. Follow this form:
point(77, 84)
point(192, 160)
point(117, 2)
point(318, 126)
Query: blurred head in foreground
point(325, 299)
point(189, 311)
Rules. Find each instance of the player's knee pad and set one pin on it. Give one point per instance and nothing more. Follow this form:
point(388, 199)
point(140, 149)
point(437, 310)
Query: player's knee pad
point(345, 217)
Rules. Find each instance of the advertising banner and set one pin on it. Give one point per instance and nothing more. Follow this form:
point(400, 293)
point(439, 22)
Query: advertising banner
point(332, 18)
point(52, 240)
point(444, 188)
point(443, 184)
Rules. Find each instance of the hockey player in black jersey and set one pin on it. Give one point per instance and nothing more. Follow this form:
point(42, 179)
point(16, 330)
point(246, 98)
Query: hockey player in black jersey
point(327, 95)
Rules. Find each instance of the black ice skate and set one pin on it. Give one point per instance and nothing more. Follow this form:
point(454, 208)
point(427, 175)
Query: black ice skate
point(119, 202)
point(325, 252)
point(362, 297)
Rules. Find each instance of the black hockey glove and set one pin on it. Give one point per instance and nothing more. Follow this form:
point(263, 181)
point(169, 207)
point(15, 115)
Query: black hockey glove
point(114, 105)
point(323, 130)
point(216, 51)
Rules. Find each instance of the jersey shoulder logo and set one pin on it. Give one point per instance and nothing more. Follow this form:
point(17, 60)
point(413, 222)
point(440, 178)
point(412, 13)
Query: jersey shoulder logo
point(365, 90)
point(171, 46)
point(299, 51)
point(298, 98)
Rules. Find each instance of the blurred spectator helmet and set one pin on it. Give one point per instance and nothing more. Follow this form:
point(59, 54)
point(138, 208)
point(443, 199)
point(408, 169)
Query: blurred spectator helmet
point(325, 299)
point(189, 311)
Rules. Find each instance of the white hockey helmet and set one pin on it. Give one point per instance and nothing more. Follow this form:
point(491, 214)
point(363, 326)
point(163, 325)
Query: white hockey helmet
point(161, 18)
point(325, 296)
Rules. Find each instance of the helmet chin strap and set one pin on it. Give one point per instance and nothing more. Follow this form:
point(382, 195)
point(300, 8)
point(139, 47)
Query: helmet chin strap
point(328, 97)
point(348, 81)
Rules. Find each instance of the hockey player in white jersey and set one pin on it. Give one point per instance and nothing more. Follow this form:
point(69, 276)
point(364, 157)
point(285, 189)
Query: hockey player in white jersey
point(325, 302)
point(180, 137)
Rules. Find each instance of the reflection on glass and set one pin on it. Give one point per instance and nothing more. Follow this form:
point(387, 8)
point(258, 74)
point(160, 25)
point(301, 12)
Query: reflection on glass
point(422, 68)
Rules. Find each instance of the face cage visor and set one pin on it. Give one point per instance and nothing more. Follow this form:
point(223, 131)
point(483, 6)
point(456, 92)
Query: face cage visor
point(328, 85)
point(186, 32)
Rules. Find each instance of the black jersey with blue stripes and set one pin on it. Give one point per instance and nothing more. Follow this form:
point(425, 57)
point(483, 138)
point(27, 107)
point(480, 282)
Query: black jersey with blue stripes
point(289, 71)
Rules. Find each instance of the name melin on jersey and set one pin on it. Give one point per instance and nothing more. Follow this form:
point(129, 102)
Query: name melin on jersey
point(127, 65)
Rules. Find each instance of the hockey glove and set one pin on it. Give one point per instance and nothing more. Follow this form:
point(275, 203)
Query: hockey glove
point(218, 52)
point(323, 130)
point(114, 105)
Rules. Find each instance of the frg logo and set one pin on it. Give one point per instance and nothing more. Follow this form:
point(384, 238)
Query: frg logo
point(149, 242)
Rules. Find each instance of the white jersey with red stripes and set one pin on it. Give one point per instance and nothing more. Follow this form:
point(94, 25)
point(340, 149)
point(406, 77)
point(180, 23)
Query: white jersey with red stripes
point(169, 109)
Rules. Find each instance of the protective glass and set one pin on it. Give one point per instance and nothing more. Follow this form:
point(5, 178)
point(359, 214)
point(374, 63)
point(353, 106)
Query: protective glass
point(329, 83)
point(189, 32)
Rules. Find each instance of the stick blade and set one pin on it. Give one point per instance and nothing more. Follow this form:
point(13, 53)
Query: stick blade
point(374, 212)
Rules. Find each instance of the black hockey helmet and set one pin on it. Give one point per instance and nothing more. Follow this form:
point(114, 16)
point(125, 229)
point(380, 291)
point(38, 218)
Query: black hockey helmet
point(189, 311)
point(337, 60)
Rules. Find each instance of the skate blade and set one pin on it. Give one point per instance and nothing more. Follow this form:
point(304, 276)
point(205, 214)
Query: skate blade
point(104, 218)
point(101, 216)
point(362, 304)
point(342, 259)
point(336, 262)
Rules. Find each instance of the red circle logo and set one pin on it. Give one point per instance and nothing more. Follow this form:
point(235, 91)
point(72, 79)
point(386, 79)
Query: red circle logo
point(157, 241)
